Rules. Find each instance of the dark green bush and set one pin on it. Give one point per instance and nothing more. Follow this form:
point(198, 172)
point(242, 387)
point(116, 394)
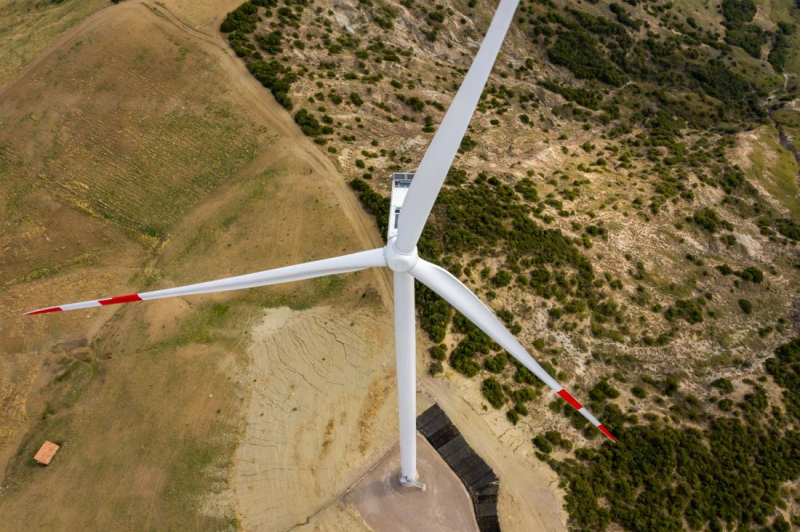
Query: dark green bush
point(243, 18)
point(746, 306)
point(639, 392)
point(785, 370)
point(493, 392)
point(690, 311)
point(738, 11)
point(725, 386)
point(513, 416)
point(751, 274)
point(501, 278)
point(496, 363)
point(271, 42)
point(602, 391)
point(709, 220)
point(543, 444)
point(438, 352)
point(355, 99)
point(581, 52)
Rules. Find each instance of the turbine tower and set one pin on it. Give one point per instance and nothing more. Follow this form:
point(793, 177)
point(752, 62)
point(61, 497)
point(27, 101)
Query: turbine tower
point(413, 196)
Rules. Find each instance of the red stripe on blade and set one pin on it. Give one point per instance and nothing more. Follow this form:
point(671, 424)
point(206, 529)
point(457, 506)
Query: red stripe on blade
point(605, 431)
point(568, 398)
point(43, 311)
point(120, 299)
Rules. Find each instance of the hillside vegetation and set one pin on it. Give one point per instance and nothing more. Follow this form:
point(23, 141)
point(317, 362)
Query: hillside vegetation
point(626, 200)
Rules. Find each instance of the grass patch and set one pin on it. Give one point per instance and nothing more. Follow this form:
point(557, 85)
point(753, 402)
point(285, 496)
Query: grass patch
point(778, 176)
point(27, 28)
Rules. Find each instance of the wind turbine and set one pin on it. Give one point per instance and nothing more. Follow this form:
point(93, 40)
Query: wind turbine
point(413, 196)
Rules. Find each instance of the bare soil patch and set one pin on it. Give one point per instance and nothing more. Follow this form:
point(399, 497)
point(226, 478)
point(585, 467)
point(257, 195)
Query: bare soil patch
point(321, 411)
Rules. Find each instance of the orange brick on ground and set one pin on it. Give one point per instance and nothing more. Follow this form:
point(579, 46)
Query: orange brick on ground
point(46, 453)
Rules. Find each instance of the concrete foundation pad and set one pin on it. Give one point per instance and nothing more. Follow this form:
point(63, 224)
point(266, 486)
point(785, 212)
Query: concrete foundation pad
point(387, 506)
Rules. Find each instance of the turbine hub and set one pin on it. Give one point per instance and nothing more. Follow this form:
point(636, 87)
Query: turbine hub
point(396, 260)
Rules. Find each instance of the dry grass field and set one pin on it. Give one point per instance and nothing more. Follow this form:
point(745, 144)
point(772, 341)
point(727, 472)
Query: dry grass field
point(27, 28)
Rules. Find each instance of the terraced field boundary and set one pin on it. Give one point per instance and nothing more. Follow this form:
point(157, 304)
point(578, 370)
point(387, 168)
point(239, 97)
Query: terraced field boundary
point(481, 482)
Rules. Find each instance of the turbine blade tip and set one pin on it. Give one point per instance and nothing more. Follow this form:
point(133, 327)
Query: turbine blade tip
point(607, 433)
point(43, 311)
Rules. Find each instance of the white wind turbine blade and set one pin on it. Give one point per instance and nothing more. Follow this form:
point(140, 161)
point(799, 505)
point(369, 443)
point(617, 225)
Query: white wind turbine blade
point(287, 274)
point(453, 291)
point(432, 171)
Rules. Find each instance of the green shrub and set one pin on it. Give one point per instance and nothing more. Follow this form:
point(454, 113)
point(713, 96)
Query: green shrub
point(501, 278)
point(243, 18)
point(523, 395)
point(554, 437)
point(493, 392)
point(724, 269)
point(580, 52)
point(467, 144)
point(751, 274)
point(690, 311)
point(746, 306)
point(586, 98)
point(308, 123)
point(628, 483)
point(709, 220)
point(378, 206)
point(725, 386)
point(669, 386)
point(495, 364)
point(355, 99)
point(738, 11)
point(602, 391)
point(785, 370)
point(748, 37)
point(438, 352)
point(543, 444)
point(276, 77)
point(527, 189)
point(513, 416)
point(271, 42)
point(726, 405)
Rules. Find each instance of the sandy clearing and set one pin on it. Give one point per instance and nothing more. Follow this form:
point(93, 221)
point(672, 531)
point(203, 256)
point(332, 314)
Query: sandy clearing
point(320, 414)
point(338, 517)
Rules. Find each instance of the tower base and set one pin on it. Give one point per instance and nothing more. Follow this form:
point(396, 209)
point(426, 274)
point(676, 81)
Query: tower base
point(412, 483)
point(388, 505)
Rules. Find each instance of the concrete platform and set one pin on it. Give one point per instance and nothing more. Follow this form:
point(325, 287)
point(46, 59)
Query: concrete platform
point(386, 506)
